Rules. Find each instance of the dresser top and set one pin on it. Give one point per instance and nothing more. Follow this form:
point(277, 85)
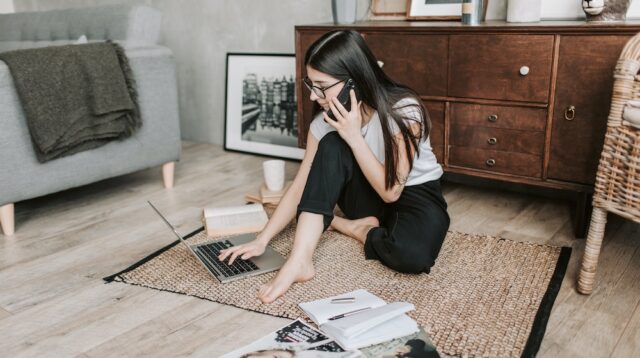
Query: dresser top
point(567, 26)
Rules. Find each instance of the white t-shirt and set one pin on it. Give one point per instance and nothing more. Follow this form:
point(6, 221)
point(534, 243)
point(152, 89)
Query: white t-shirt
point(425, 166)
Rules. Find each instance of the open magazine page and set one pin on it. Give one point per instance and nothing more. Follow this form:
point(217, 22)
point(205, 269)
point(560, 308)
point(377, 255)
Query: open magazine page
point(417, 345)
point(297, 339)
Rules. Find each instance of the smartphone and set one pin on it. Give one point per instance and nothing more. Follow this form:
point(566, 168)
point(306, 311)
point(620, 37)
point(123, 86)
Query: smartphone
point(345, 97)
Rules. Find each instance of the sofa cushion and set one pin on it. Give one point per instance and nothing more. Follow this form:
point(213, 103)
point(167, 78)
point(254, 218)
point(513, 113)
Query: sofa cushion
point(21, 45)
point(136, 24)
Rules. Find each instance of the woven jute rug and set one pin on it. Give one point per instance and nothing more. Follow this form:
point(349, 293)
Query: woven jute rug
point(486, 296)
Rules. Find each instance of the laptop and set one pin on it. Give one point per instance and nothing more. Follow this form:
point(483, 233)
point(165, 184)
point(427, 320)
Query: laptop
point(207, 254)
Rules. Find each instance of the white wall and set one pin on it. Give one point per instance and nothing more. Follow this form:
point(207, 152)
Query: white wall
point(6, 6)
point(555, 10)
point(201, 32)
point(201, 36)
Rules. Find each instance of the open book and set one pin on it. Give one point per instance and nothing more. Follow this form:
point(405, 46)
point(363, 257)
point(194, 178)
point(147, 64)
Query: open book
point(363, 321)
point(233, 220)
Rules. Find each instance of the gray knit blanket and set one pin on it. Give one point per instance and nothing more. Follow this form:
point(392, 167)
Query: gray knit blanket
point(74, 97)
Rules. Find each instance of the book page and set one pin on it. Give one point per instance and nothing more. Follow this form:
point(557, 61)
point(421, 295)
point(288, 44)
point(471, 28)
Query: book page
point(397, 327)
point(232, 210)
point(235, 220)
point(360, 322)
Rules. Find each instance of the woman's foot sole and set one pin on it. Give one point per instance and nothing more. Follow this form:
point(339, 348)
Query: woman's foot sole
point(289, 273)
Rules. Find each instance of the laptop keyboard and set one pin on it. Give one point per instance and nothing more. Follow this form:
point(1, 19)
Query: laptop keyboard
point(209, 254)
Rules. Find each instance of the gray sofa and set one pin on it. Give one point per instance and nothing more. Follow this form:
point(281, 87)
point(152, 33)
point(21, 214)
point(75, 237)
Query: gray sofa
point(157, 142)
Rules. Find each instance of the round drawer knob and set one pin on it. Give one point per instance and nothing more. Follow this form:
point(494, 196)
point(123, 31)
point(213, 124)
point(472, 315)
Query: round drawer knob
point(491, 162)
point(493, 118)
point(492, 140)
point(380, 63)
point(524, 70)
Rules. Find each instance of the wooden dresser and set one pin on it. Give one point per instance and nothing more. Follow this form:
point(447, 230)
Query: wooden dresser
point(521, 103)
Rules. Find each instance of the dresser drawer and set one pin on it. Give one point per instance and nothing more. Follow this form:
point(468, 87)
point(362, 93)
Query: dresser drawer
point(502, 67)
point(530, 119)
point(417, 61)
point(436, 136)
point(509, 140)
point(496, 161)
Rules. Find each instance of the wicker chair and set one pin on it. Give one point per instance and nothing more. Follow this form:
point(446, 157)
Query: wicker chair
point(617, 188)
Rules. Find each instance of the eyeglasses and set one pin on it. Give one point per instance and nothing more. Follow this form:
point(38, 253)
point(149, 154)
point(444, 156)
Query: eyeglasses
point(319, 91)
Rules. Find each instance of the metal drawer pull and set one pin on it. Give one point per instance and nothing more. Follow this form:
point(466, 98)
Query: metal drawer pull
point(492, 140)
point(570, 113)
point(491, 162)
point(524, 70)
point(493, 118)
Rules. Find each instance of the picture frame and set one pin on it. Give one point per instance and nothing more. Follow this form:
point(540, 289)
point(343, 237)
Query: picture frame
point(435, 10)
point(388, 10)
point(260, 105)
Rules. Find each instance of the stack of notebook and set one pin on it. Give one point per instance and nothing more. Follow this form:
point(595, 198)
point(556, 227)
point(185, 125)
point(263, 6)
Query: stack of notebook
point(359, 319)
point(267, 197)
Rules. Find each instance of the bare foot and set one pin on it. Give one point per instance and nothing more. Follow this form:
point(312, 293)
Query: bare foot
point(294, 270)
point(356, 229)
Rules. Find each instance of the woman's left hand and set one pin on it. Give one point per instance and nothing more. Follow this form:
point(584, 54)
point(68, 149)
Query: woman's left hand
point(348, 123)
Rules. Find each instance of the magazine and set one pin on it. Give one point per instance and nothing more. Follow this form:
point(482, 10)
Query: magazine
point(296, 339)
point(416, 345)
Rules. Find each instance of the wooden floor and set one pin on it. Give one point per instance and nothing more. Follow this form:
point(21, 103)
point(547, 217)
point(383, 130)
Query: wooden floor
point(54, 303)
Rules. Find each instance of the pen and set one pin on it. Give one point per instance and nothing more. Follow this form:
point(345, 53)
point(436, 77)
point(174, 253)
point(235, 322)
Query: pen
point(343, 300)
point(348, 313)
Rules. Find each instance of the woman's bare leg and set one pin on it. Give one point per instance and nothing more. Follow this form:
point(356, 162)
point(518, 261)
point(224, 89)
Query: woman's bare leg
point(356, 229)
point(299, 265)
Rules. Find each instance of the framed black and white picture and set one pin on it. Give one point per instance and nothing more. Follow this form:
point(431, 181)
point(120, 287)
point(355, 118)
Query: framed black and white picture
point(434, 10)
point(261, 111)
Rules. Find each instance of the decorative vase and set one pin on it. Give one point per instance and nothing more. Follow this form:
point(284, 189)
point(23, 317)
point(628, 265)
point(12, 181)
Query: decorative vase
point(524, 10)
point(606, 10)
point(472, 11)
point(344, 11)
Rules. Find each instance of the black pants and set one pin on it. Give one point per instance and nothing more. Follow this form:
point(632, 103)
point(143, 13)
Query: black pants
point(412, 228)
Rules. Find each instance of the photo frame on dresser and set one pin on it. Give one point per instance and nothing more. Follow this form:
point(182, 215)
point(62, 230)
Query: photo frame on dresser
point(434, 9)
point(388, 10)
point(260, 105)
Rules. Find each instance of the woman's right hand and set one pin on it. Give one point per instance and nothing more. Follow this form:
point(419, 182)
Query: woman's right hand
point(248, 250)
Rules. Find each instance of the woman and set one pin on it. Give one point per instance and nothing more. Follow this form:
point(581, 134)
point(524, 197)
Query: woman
point(375, 162)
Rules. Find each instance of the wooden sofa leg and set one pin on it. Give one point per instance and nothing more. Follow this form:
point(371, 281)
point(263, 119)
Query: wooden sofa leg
point(592, 251)
point(7, 219)
point(167, 174)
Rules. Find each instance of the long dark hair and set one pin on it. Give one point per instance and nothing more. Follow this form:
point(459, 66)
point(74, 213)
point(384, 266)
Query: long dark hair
point(343, 54)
